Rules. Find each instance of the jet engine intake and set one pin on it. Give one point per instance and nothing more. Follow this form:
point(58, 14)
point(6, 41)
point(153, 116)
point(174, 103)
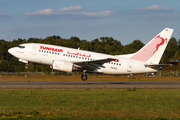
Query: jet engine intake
point(61, 65)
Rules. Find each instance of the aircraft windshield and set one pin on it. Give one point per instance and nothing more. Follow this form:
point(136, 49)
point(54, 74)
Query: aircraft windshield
point(21, 46)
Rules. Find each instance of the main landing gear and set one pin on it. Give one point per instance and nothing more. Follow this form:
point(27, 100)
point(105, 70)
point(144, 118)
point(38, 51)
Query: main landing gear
point(84, 76)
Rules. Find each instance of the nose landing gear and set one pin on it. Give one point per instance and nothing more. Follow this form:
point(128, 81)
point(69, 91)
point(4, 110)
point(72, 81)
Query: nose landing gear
point(84, 76)
point(27, 65)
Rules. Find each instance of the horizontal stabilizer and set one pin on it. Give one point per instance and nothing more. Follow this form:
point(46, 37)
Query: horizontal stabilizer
point(174, 62)
point(158, 65)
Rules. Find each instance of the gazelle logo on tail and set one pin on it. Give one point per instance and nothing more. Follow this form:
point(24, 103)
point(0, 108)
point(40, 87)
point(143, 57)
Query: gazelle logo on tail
point(155, 48)
point(161, 43)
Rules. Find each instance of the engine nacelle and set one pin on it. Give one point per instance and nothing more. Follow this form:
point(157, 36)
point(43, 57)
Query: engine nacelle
point(62, 65)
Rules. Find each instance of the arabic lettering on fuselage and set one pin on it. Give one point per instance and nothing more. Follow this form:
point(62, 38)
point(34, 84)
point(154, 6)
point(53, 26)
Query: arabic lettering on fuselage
point(51, 49)
point(79, 54)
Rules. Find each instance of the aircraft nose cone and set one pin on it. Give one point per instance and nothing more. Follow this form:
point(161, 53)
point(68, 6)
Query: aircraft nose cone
point(11, 51)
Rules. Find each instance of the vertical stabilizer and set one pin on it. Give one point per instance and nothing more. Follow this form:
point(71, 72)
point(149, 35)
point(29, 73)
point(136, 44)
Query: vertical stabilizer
point(152, 52)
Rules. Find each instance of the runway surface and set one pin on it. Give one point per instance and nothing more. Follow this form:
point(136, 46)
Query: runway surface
point(92, 85)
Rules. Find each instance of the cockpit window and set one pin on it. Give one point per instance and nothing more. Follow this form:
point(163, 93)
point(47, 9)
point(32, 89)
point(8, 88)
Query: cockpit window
point(21, 46)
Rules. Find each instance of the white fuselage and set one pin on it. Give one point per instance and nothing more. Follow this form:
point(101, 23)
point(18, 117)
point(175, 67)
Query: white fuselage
point(46, 54)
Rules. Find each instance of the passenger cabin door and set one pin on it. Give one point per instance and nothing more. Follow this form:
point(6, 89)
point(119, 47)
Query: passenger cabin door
point(129, 67)
point(34, 50)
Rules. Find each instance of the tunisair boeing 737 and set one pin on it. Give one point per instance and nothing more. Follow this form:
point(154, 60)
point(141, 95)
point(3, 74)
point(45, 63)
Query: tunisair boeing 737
point(146, 60)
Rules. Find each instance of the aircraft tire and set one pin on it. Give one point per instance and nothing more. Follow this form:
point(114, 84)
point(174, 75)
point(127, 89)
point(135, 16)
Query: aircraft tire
point(84, 77)
point(27, 66)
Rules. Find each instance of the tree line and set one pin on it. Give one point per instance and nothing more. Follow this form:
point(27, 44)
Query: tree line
point(106, 45)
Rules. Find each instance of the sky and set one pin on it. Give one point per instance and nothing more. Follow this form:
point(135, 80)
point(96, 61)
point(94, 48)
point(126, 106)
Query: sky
point(123, 20)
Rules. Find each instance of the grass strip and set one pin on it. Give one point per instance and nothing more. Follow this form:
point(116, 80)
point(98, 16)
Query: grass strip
point(90, 103)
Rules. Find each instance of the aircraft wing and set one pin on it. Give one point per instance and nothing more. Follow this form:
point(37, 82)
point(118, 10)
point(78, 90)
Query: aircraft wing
point(94, 63)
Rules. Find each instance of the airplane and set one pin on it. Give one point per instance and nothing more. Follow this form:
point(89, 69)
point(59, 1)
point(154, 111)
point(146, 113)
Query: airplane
point(146, 60)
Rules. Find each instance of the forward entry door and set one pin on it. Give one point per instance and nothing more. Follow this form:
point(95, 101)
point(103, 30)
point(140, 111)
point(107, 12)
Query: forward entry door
point(34, 50)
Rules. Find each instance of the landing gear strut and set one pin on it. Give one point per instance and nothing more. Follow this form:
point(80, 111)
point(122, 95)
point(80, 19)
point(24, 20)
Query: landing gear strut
point(27, 65)
point(84, 76)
